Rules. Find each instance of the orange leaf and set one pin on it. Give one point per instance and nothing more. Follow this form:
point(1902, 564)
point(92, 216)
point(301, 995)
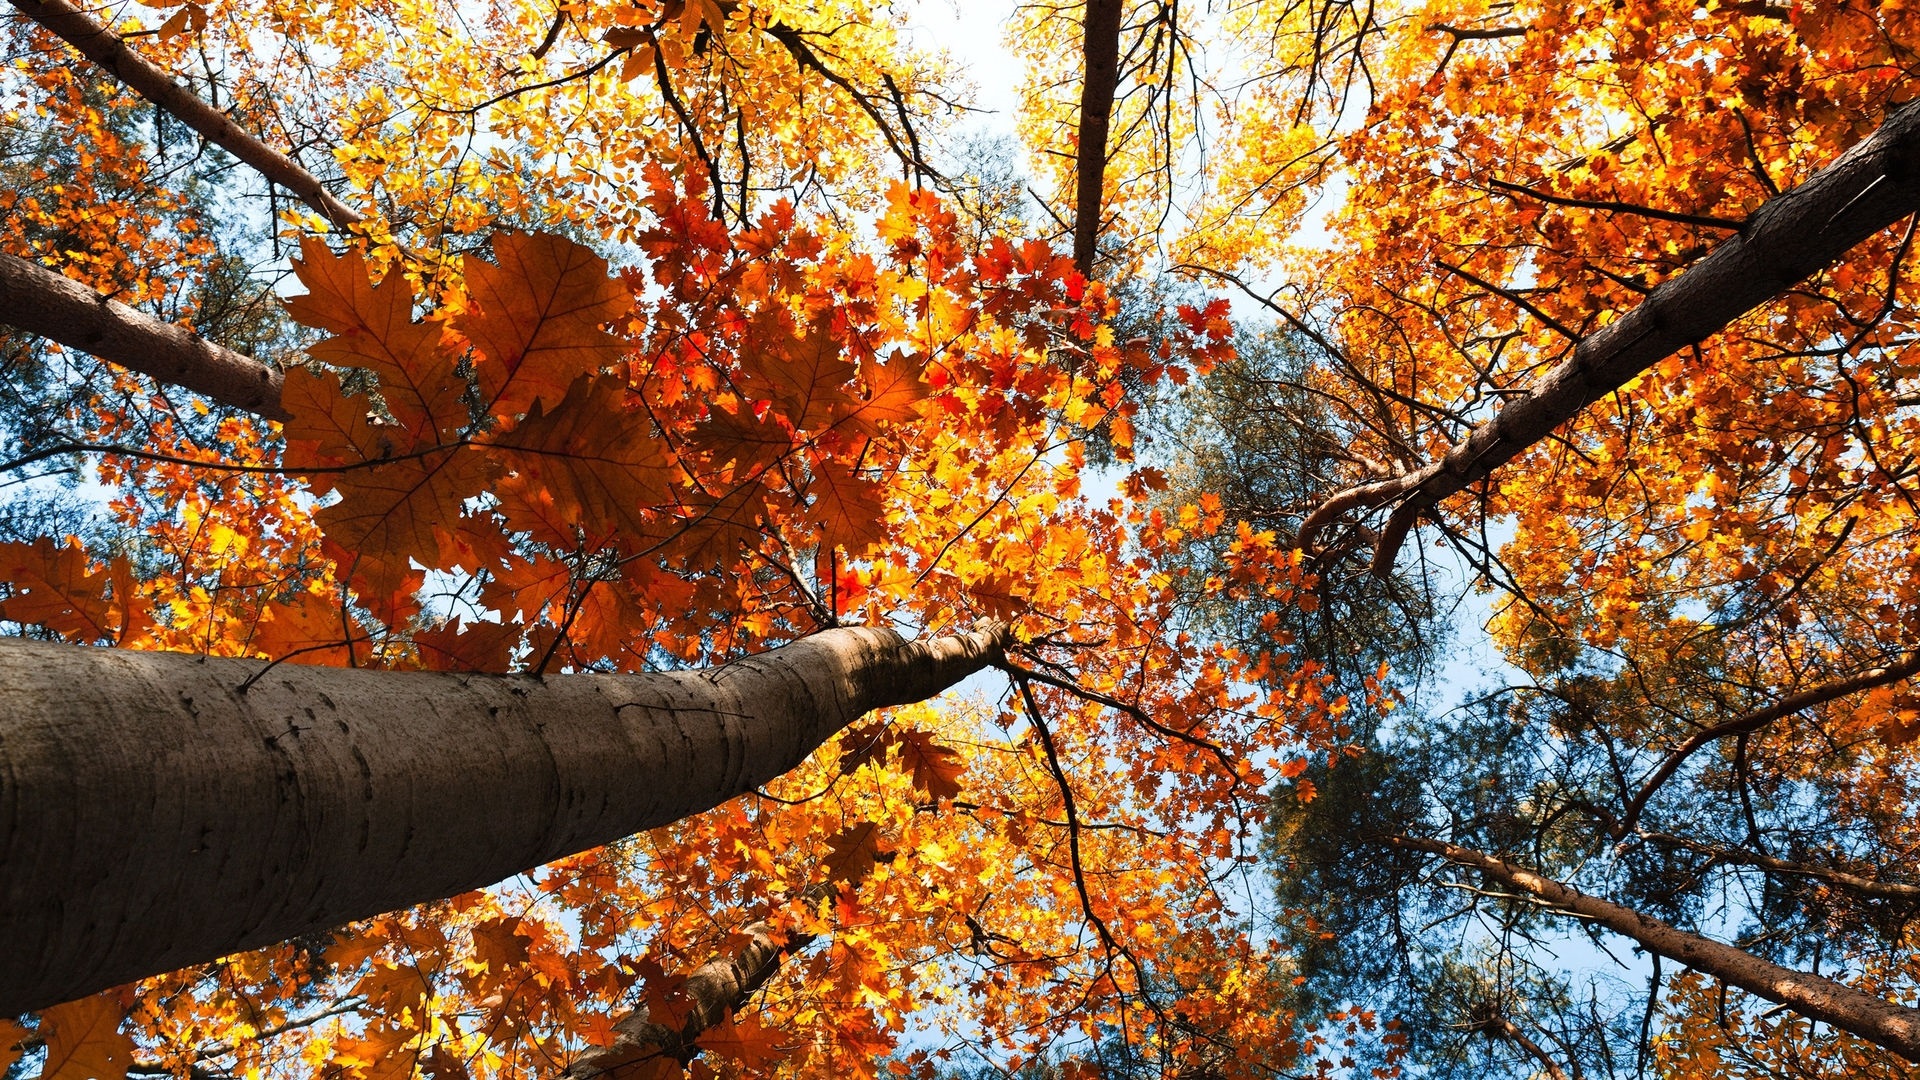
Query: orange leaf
point(373, 328)
point(894, 391)
point(536, 319)
point(467, 646)
point(748, 1042)
point(53, 588)
point(589, 464)
point(852, 851)
point(84, 1040)
point(804, 377)
point(847, 507)
point(935, 768)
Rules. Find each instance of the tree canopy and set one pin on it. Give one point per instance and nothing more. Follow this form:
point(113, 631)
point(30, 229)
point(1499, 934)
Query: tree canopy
point(450, 438)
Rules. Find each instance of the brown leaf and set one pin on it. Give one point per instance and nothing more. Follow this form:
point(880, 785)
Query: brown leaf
point(847, 507)
point(373, 328)
point(588, 467)
point(748, 1042)
point(84, 1041)
point(53, 587)
point(852, 851)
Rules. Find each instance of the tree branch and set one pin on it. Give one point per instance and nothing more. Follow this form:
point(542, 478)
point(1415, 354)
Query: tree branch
point(1786, 240)
point(105, 48)
point(58, 308)
point(1101, 38)
point(1881, 1022)
point(1906, 667)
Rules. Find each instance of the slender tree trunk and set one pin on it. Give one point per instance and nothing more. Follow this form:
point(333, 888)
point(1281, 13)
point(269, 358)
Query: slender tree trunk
point(106, 49)
point(159, 810)
point(710, 995)
point(56, 307)
point(1100, 34)
point(1881, 1022)
point(1788, 238)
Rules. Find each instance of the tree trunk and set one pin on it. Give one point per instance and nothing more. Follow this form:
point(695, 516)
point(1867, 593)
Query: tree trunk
point(159, 810)
point(1100, 36)
point(58, 308)
point(1881, 1022)
point(1788, 238)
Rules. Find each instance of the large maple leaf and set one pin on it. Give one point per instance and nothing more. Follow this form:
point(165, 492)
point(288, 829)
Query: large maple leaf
point(53, 587)
point(373, 328)
point(536, 318)
point(848, 507)
point(804, 376)
point(84, 1041)
point(588, 467)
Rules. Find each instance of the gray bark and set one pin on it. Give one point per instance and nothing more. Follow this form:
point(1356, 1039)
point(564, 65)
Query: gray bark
point(154, 814)
point(104, 47)
point(1881, 1022)
point(1787, 239)
point(61, 309)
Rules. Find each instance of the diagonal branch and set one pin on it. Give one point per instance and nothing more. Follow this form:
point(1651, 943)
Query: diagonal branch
point(1871, 888)
point(1786, 240)
point(1881, 1022)
point(1749, 723)
point(58, 308)
point(711, 994)
point(106, 49)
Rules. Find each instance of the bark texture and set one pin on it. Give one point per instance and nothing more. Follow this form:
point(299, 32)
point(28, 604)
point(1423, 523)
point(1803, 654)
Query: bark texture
point(1787, 239)
point(61, 309)
point(105, 48)
point(1881, 1022)
point(710, 995)
point(153, 813)
point(1101, 44)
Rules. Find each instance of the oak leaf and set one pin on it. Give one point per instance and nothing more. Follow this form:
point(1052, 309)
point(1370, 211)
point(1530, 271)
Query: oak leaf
point(853, 851)
point(536, 318)
point(752, 1044)
point(53, 587)
point(589, 466)
point(847, 507)
point(373, 328)
point(84, 1041)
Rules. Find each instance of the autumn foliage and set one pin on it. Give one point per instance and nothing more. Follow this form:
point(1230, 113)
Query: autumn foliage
point(668, 334)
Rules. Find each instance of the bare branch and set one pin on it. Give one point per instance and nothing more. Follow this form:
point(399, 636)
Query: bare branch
point(1881, 1022)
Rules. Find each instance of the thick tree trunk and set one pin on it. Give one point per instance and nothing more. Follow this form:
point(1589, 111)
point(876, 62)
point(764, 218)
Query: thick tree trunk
point(58, 308)
point(1790, 237)
point(158, 810)
point(105, 48)
point(1100, 36)
point(1874, 1019)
